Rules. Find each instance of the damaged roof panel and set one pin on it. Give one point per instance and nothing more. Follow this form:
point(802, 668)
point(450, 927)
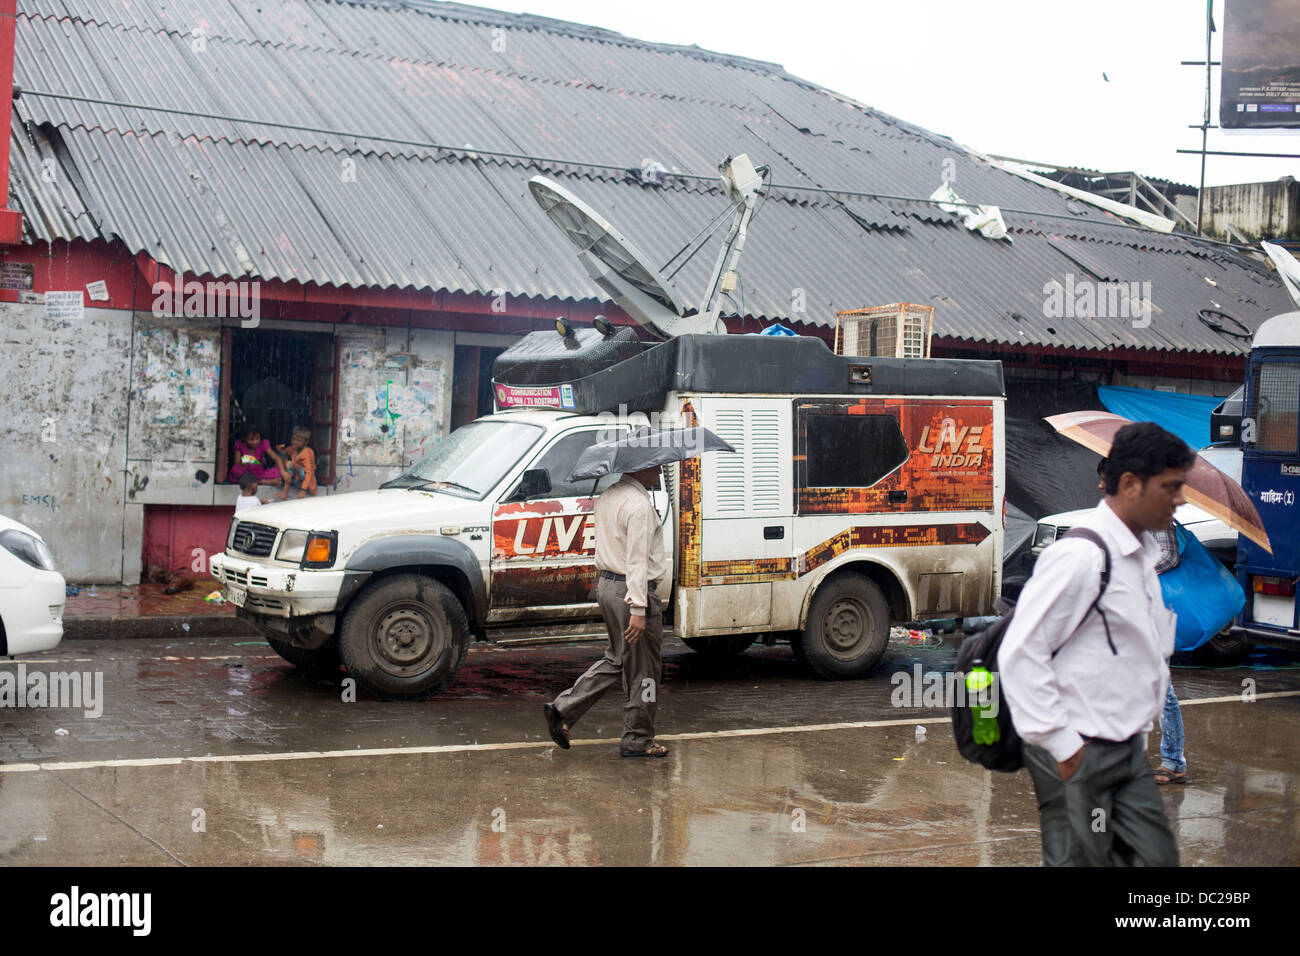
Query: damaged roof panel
point(231, 194)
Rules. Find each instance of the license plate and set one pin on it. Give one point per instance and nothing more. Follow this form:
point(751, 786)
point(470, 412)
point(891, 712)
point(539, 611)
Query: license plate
point(237, 596)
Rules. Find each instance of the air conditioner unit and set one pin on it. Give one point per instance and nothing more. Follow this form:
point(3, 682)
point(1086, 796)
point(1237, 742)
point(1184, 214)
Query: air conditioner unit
point(900, 330)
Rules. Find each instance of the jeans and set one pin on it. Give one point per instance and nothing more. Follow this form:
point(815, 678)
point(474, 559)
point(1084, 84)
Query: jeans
point(1171, 734)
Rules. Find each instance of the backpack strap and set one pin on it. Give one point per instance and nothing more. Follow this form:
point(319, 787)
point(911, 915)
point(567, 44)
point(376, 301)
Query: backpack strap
point(1090, 535)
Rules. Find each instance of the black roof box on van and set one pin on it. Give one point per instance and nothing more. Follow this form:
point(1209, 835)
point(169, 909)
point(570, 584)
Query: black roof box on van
point(758, 364)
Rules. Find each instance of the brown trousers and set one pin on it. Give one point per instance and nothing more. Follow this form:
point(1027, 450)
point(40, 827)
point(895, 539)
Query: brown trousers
point(637, 666)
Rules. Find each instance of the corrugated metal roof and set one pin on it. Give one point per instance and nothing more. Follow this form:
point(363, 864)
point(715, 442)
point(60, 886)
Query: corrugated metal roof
point(229, 194)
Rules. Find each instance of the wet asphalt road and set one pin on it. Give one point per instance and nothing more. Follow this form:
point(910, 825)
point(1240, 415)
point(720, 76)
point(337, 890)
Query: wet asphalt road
point(216, 751)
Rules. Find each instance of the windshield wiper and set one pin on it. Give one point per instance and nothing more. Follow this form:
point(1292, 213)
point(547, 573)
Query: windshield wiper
point(448, 484)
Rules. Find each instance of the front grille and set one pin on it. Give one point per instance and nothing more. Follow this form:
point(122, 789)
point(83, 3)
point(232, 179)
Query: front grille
point(253, 539)
point(269, 604)
point(243, 578)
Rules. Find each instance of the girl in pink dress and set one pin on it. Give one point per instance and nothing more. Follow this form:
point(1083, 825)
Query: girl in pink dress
point(255, 456)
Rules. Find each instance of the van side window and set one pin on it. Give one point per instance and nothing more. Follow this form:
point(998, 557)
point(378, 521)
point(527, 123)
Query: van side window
point(559, 460)
point(1274, 393)
point(853, 451)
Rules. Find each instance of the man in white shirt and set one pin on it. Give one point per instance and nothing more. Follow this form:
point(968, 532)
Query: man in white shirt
point(1084, 685)
point(630, 563)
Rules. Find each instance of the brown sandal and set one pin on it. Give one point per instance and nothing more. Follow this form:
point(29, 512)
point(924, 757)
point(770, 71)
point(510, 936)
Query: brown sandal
point(1164, 775)
point(654, 750)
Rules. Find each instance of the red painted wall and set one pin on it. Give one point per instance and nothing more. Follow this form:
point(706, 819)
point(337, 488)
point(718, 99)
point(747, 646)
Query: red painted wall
point(172, 532)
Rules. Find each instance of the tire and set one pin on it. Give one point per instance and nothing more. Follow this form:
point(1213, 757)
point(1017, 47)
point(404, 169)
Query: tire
point(325, 660)
point(848, 627)
point(404, 637)
point(720, 645)
point(1222, 650)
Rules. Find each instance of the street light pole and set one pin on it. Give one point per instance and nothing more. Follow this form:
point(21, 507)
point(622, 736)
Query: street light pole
point(1205, 122)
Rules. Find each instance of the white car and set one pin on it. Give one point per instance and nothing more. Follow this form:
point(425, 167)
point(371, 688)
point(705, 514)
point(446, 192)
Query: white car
point(32, 592)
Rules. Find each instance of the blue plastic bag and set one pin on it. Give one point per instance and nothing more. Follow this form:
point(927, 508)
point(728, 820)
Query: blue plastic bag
point(1201, 591)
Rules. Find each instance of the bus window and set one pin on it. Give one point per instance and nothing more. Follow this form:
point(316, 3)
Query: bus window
point(1276, 399)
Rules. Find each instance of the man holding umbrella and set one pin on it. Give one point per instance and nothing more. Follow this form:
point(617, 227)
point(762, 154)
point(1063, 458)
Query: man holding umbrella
point(631, 565)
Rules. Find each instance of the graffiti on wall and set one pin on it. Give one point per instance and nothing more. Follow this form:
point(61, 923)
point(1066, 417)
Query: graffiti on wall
point(390, 399)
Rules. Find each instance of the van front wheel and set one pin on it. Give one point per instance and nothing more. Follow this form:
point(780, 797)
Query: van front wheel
point(404, 637)
point(848, 627)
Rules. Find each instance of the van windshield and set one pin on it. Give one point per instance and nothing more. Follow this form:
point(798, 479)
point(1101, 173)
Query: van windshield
point(471, 460)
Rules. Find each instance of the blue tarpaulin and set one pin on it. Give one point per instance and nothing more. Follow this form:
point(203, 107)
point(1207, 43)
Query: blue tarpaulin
point(1187, 416)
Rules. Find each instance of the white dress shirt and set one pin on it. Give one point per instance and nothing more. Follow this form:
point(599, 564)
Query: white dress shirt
point(1085, 690)
point(630, 539)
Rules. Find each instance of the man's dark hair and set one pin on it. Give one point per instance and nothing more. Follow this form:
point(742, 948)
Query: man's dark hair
point(1145, 449)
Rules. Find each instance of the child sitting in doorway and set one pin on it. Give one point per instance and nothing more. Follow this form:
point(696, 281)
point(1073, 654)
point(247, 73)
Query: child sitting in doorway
point(300, 464)
point(247, 493)
point(253, 456)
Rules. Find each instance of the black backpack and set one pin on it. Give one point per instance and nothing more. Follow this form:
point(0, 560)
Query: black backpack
point(981, 650)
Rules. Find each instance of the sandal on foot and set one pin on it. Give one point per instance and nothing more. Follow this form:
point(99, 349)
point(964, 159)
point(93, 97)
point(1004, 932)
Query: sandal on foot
point(654, 750)
point(1164, 775)
point(555, 724)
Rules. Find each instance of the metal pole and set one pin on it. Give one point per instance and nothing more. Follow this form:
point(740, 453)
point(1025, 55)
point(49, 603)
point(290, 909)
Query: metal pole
point(1205, 123)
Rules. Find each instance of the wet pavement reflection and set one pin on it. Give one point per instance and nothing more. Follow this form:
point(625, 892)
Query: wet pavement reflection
point(222, 745)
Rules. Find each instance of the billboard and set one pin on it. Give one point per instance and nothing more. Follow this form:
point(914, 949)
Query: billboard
point(1261, 65)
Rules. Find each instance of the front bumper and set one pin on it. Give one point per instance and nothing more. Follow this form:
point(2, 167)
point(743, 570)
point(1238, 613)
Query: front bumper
point(274, 591)
point(1261, 635)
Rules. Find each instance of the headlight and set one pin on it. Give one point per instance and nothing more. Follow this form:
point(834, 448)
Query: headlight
point(28, 549)
point(1045, 535)
point(292, 545)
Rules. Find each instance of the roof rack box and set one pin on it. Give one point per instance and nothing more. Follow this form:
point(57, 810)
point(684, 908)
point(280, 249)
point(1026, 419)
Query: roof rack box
point(758, 364)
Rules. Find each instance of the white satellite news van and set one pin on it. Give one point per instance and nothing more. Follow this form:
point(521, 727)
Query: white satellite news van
point(863, 491)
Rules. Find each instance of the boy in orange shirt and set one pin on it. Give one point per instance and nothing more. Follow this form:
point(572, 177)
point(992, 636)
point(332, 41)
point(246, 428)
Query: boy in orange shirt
point(299, 464)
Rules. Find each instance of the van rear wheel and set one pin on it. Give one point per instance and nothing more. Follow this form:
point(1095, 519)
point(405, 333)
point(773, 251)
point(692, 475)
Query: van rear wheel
point(404, 637)
point(848, 627)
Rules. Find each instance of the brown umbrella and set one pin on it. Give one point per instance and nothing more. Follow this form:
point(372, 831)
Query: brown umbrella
point(1207, 487)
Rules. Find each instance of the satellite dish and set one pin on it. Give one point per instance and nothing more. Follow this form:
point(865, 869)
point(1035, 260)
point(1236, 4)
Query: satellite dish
point(619, 267)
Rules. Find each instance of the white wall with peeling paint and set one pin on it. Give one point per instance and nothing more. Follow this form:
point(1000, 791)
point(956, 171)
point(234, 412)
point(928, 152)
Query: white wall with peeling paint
point(394, 401)
point(115, 411)
point(64, 405)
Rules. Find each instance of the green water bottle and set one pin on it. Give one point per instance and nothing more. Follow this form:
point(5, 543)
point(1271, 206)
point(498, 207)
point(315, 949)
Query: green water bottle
point(979, 683)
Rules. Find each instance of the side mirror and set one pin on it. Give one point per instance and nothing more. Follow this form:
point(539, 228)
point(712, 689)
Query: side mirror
point(535, 483)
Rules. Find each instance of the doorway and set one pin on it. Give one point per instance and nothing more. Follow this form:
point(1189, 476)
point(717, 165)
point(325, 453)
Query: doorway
point(278, 380)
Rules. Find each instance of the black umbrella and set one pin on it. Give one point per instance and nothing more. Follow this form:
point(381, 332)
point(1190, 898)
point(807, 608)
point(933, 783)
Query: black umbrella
point(645, 448)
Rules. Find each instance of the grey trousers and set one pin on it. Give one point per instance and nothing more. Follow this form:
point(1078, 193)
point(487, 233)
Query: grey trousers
point(1109, 813)
point(636, 666)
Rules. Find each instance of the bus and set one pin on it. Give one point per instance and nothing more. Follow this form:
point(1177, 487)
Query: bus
point(1270, 475)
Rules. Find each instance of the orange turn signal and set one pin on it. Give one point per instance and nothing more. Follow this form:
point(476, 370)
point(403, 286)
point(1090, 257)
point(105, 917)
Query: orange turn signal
point(318, 550)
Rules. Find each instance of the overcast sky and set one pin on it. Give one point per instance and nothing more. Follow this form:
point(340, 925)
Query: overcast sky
point(1021, 78)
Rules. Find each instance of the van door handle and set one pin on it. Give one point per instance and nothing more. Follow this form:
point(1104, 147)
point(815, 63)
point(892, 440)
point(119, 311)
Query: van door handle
point(774, 532)
point(897, 497)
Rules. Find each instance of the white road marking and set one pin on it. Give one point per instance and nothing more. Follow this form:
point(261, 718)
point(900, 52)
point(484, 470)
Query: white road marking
point(523, 744)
